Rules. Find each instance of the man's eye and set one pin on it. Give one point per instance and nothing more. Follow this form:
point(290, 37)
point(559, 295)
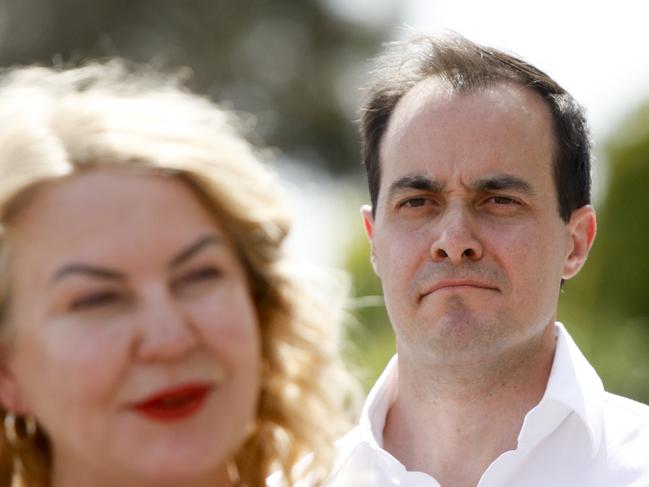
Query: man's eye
point(503, 200)
point(94, 300)
point(415, 202)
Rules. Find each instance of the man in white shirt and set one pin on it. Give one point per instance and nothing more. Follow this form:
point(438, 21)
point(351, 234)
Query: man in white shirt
point(479, 173)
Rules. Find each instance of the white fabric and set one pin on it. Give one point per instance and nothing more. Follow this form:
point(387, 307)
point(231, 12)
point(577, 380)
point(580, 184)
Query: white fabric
point(578, 435)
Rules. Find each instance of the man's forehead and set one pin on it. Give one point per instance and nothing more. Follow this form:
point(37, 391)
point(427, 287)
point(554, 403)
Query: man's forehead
point(438, 96)
point(433, 89)
point(497, 130)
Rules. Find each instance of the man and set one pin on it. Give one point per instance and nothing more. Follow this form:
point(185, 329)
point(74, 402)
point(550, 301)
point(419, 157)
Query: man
point(479, 174)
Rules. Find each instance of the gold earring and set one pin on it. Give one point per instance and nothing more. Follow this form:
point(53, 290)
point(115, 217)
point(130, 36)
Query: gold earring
point(18, 435)
point(19, 432)
point(233, 473)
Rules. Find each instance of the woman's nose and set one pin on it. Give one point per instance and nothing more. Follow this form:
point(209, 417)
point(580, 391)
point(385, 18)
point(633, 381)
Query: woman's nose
point(165, 329)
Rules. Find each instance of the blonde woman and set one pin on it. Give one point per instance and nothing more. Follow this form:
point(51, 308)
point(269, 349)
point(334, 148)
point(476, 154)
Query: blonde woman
point(153, 333)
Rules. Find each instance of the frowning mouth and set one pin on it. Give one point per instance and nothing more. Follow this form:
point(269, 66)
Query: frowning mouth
point(175, 403)
point(457, 285)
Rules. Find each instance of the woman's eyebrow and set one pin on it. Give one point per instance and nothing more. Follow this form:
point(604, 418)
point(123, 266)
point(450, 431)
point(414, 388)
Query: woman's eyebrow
point(99, 272)
point(194, 248)
point(88, 270)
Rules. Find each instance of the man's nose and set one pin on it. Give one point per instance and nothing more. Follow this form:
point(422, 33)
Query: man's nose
point(165, 329)
point(455, 239)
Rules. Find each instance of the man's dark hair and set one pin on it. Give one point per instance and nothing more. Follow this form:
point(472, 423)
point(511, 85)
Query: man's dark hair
point(466, 66)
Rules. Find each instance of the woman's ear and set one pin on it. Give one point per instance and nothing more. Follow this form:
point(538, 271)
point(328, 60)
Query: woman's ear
point(11, 397)
point(582, 228)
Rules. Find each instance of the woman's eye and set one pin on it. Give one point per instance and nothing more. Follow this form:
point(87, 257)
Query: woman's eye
point(94, 300)
point(204, 274)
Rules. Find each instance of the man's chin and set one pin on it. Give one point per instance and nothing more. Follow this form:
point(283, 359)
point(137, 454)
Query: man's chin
point(457, 336)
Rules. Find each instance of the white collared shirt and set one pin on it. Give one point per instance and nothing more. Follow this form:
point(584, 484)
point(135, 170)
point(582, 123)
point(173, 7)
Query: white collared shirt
point(578, 435)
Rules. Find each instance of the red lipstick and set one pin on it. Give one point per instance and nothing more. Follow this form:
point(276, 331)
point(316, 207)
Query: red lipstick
point(175, 403)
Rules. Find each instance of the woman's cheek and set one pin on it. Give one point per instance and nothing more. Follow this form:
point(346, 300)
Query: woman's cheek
point(228, 322)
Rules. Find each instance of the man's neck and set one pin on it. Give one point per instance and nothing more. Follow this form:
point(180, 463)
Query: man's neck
point(453, 422)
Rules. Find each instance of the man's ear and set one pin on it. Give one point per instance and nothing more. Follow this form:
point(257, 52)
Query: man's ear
point(368, 224)
point(582, 228)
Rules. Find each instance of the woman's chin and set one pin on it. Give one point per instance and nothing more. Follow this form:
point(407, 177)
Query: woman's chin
point(176, 473)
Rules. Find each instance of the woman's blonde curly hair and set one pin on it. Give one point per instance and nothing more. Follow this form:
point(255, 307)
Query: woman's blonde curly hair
point(58, 122)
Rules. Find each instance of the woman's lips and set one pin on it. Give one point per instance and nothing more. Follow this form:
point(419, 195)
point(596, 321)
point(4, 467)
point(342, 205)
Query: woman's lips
point(175, 403)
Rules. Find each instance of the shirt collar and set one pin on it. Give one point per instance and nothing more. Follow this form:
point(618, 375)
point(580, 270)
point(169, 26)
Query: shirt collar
point(574, 383)
point(378, 403)
point(573, 386)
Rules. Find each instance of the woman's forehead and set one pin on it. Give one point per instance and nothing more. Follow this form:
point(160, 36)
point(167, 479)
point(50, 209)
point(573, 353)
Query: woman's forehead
point(105, 191)
point(101, 212)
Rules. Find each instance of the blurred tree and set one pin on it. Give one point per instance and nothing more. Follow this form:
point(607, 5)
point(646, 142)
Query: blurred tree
point(608, 302)
point(619, 260)
point(371, 335)
point(294, 64)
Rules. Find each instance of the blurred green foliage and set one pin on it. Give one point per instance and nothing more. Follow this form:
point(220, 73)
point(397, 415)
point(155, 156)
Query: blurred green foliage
point(296, 65)
point(606, 307)
point(371, 335)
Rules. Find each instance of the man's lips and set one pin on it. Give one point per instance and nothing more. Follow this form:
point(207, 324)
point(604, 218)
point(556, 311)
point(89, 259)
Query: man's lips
point(457, 285)
point(174, 403)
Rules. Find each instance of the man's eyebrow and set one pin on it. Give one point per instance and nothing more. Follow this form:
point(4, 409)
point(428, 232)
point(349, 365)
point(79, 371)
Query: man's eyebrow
point(503, 181)
point(194, 248)
point(418, 182)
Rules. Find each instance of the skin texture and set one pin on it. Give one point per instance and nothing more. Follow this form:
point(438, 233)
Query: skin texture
point(85, 347)
point(470, 248)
